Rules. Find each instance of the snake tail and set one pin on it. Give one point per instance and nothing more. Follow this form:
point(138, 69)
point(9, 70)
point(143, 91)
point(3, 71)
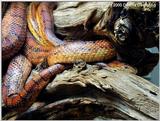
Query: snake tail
point(19, 95)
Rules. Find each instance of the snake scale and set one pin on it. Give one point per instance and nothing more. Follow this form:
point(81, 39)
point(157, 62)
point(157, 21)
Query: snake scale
point(19, 94)
point(13, 30)
point(41, 43)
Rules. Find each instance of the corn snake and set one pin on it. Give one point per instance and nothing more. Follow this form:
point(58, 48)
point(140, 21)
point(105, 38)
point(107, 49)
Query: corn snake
point(42, 43)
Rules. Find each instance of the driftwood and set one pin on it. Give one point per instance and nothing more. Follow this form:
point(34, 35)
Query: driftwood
point(89, 91)
point(78, 20)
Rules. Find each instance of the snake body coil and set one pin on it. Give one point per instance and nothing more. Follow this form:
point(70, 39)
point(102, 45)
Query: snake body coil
point(13, 30)
point(18, 94)
point(88, 51)
point(60, 51)
point(45, 23)
point(36, 50)
point(70, 52)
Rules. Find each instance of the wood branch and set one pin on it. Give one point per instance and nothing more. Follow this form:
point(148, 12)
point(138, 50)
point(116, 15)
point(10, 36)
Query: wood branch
point(77, 19)
point(85, 19)
point(88, 91)
point(137, 92)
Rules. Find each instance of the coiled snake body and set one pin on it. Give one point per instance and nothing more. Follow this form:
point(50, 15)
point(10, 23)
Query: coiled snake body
point(19, 94)
point(13, 30)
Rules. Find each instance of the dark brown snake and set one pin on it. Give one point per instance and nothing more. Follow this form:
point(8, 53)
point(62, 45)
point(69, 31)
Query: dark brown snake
point(19, 94)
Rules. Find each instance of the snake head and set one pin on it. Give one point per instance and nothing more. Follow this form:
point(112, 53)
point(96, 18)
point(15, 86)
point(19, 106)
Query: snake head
point(122, 30)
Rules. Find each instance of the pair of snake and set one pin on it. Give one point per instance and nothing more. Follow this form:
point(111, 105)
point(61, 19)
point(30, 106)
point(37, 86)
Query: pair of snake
point(20, 87)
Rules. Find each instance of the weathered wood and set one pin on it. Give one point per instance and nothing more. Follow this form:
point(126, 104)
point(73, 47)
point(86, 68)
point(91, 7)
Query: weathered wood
point(90, 91)
point(83, 19)
point(77, 19)
point(137, 92)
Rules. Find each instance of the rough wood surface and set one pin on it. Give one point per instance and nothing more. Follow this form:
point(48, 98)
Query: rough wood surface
point(137, 92)
point(89, 91)
point(77, 19)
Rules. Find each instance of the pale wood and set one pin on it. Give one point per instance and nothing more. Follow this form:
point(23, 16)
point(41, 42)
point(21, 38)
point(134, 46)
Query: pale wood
point(82, 19)
point(116, 94)
point(139, 97)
